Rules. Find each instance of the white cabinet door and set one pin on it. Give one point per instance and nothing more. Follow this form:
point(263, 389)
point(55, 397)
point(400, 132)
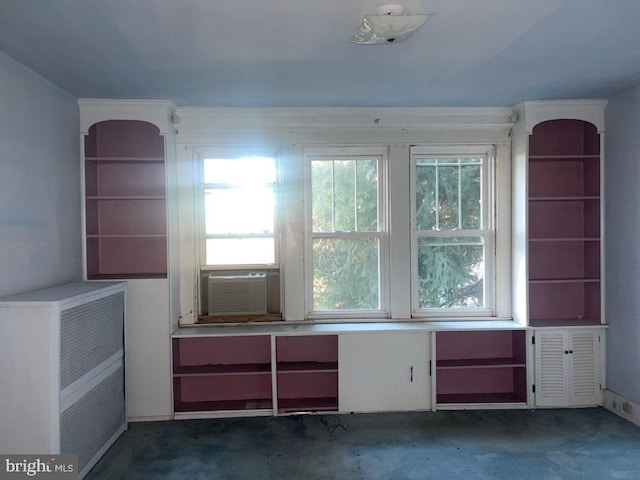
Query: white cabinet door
point(384, 372)
point(568, 367)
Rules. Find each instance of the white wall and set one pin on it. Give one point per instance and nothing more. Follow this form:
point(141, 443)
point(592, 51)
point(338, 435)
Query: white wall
point(622, 251)
point(40, 232)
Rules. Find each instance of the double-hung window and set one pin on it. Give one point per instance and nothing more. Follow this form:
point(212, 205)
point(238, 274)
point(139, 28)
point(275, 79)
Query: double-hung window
point(346, 233)
point(452, 231)
point(238, 201)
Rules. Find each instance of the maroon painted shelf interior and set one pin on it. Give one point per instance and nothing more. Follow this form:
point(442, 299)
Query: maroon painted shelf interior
point(307, 373)
point(564, 222)
point(126, 233)
point(222, 373)
point(481, 367)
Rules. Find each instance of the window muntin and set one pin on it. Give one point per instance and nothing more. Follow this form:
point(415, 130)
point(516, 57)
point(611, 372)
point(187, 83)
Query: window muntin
point(345, 235)
point(452, 247)
point(238, 210)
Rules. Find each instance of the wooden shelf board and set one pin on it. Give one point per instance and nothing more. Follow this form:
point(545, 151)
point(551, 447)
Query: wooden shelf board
point(564, 239)
point(307, 404)
point(142, 235)
point(102, 198)
point(220, 370)
point(565, 157)
point(564, 322)
point(307, 367)
point(125, 276)
point(250, 404)
point(498, 397)
point(125, 159)
point(563, 280)
point(570, 198)
point(479, 363)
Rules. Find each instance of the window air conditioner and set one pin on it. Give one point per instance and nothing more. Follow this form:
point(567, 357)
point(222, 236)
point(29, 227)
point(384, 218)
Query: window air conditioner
point(237, 295)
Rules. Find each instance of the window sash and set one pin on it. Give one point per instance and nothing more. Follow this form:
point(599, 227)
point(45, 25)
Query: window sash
point(435, 157)
point(380, 234)
point(231, 154)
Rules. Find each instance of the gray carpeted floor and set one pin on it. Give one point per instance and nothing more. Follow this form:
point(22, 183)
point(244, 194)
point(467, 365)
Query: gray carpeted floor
point(456, 445)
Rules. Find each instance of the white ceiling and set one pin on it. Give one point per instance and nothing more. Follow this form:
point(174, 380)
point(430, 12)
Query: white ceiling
point(296, 53)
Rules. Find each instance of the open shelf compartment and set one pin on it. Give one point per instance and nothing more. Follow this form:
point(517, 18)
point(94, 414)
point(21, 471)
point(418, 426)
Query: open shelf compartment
point(307, 373)
point(222, 373)
point(481, 367)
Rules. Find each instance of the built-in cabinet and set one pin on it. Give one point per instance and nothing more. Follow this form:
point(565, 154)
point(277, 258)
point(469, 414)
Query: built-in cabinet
point(569, 367)
point(125, 195)
point(384, 372)
point(130, 233)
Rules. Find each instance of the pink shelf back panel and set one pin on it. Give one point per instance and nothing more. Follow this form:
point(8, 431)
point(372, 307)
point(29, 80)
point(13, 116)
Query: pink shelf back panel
point(476, 344)
point(128, 217)
point(564, 260)
point(308, 385)
point(124, 138)
point(130, 179)
point(472, 380)
point(223, 388)
point(133, 255)
point(310, 348)
point(556, 179)
point(567, 219)
point(560, 301)
point(564, 137)
point(308, 404)
point(198, 351)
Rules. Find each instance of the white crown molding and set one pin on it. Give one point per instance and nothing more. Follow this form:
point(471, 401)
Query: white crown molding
point(534, 112)
point(416, 118)
point(94, 110)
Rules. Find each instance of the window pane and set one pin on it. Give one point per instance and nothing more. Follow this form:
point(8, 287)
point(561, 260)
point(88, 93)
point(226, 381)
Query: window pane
point(240, 171)
point(450, 272)
point(344, 188)
point(239, 210)
point(345, 274)
point(367, 195)
point(322, 196)
point(240, 251)
point(344, 195)
point(448, 193)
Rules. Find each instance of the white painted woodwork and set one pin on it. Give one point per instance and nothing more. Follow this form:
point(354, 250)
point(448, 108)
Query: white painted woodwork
point(568, 367)
point(33, 394)
point(384, 372)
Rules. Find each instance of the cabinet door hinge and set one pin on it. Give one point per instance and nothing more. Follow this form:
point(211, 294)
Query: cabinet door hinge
point(429, 367)
point(533, 340)
point(533, 388)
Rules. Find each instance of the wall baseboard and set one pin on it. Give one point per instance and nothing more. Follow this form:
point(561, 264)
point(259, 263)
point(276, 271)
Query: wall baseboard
point(627, 409)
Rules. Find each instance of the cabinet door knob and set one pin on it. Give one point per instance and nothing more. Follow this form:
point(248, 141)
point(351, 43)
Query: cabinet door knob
point(570, 351)
point(566, 352)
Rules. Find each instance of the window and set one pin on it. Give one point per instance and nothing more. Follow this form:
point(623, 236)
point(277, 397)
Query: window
point(346, 239)
point(238, 211)
point(452, 238)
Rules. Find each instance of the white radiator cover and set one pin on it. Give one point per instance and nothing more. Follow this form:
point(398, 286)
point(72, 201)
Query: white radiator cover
point(237, 295)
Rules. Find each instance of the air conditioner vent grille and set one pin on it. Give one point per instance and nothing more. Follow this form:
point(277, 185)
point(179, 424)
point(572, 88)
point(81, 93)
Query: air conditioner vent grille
point(237, 295)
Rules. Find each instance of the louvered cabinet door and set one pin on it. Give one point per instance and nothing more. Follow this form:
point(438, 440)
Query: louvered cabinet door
point(568, 367)
point(584, 365)
point(551, 368)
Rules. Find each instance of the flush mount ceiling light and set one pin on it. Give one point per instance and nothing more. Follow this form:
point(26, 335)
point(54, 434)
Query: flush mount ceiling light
point(391, 24)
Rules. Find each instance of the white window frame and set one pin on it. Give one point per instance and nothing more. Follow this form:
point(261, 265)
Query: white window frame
point(487, 232)
point(382, 235)
point(229, 153)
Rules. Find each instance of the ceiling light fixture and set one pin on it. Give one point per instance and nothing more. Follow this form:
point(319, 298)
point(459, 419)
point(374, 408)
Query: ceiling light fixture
point(391, 24)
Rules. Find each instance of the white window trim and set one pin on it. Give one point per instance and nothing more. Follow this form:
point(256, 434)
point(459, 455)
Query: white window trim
point(232, 152)
point(349, 153)
point(488, 233)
